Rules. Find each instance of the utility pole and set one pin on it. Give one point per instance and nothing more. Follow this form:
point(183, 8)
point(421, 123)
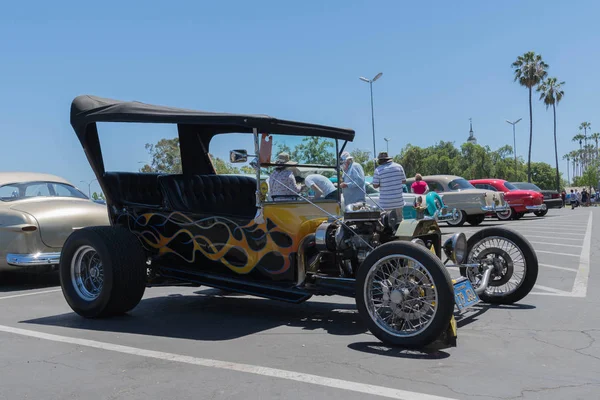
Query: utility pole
point(387, 145)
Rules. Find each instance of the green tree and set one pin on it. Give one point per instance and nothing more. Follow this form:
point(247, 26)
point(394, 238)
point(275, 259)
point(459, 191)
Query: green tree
point(543, 175)
point(222, 167)
point(552, 94)
point(166, 157)
point(584, 126)
point(595, 137)
point(579, 138)
point(246, 169)
point(365, 159)
point(530, 70)
point(98, 196)
point(590, 177)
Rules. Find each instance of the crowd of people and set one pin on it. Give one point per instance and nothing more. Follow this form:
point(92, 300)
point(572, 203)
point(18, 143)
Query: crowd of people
point(389, 178)
point(577, 198)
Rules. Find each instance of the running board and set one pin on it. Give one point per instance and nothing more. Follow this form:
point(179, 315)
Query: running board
point(332, 286)
point(288, 294)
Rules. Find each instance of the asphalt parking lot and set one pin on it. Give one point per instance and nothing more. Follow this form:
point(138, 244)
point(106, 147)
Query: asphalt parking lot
point(182, 342)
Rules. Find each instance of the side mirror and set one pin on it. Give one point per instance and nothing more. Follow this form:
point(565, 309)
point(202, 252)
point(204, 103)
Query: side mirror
point(238, 156)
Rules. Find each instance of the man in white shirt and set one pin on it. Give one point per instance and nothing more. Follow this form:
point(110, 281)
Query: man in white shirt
point(323, 187)
point(390, 178)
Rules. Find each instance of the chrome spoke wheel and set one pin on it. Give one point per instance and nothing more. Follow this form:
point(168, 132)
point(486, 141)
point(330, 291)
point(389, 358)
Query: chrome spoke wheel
point(87, 273)
point(400, 295)
point(506, 260)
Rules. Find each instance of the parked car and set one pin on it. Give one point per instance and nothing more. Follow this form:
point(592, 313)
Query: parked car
point(520, 201)
point(551, 197)
point(37, 214)
point(458, 193)
point(206, 229)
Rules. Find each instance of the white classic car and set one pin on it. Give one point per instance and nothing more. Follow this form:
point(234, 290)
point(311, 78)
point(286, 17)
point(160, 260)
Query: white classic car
point(37, 214)
point(458, 193)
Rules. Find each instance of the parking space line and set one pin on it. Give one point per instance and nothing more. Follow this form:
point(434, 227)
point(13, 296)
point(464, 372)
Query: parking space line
point(557, 244)
point(551, 290)
point(29, 294)
point(557, 253)
point(581, 279)
point(557, 267)
point(231, 366)
point(546, 237)
point(546, 231)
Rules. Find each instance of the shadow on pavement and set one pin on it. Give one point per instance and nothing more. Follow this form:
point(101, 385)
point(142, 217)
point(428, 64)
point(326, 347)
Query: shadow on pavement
point(16, 281)
point(380, 349)
point(211, 317)
point(472, 315)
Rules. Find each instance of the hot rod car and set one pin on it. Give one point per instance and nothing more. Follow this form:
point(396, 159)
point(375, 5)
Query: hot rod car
point(222, 231)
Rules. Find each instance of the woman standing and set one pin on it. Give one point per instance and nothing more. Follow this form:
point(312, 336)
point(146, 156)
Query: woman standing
point(419, 186)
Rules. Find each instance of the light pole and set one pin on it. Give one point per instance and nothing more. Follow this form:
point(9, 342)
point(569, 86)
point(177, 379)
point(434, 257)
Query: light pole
point(90, 186)
point(515, 143)
point(370, 82)
point(387, 145)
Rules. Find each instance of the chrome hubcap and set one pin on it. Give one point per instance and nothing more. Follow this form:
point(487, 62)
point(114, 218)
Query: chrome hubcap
point(506, 260)
point(400, 295)
point(87, 273)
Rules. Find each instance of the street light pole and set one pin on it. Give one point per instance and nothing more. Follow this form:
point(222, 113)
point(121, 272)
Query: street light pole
point(387, 145)
point(90, 186)
point(370, 82)
point(515, 143)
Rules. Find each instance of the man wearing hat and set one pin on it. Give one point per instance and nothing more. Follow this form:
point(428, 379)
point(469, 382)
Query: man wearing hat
point(390, 178)
point(353, 185)
point(282, 183)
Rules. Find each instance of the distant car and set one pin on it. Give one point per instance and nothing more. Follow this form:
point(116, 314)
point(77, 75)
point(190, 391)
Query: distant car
point(520, 201)
point(37, 214)
point(458, 193)
point(551, 197)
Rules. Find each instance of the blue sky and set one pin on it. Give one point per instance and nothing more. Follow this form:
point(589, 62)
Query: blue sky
point(442, 62)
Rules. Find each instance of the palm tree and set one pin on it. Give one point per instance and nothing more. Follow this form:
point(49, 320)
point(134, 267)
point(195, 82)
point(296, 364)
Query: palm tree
point(595, 137)
point(552, 94)
point(579, 138)
point(530, 70)
point(584, 126)
point(567, 157)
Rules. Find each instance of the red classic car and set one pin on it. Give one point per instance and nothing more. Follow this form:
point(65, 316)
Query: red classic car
point(520, 201)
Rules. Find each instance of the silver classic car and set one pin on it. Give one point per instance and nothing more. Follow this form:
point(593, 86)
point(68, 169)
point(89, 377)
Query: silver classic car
point(458, 193)
point(37, 214)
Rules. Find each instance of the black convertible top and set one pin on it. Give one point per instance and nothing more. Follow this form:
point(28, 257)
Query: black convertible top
point(88, 109)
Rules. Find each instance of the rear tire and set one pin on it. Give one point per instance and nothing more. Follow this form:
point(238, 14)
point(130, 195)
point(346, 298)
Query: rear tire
point(102, 271)
point(541, 213)
point(408, 283)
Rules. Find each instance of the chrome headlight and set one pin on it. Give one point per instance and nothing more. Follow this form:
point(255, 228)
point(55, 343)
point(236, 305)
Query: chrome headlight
point(419, 242)
point(456, 248)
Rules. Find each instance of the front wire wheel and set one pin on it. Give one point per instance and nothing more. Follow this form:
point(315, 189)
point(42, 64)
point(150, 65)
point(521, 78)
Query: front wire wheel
point(404, 294)
point(513, 262)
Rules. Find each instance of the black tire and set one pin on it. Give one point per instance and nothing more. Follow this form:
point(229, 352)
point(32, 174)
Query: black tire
point(460, 222)
point(441, 281)
point(123, 263)
point(507, 215)
point(476, 219)
point(529, 256)
point(518, 216)
point(541, 213)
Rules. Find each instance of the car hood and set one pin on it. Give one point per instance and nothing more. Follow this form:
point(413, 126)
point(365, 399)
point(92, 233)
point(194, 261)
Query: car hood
point(58, 218)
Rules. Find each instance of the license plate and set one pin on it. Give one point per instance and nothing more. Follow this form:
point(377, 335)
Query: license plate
point(465, 295)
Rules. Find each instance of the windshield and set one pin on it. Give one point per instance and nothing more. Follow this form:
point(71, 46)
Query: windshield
point(27, 190)
point(527, 186)
point(460, 184)
point(510, 186)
